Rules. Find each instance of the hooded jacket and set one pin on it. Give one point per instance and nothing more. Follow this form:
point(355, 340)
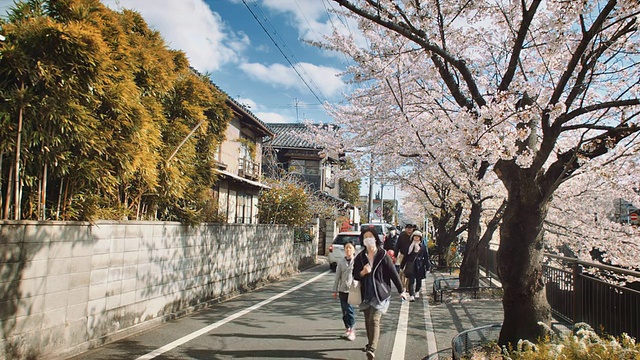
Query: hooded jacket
point(344, 275)
point(383, 272)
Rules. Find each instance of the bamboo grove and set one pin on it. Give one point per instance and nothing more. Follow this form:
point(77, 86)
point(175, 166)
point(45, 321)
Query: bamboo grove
point(92, 106)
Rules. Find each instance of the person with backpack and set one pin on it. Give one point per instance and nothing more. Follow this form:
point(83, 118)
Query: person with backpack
point(415, 264)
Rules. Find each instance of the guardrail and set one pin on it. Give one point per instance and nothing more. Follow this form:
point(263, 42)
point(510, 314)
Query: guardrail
point(450, 285)
point(463, 344)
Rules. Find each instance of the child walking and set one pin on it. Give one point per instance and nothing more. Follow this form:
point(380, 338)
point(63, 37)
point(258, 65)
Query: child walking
point(344, 279)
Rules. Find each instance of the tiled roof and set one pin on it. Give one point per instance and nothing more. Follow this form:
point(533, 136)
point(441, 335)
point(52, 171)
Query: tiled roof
point(235, 104)
point(288, 135)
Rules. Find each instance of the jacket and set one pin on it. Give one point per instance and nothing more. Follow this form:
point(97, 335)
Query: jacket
point(390, 242)
point(402, 245)
point(420, 262)
point(344, 275)
point(383, 272)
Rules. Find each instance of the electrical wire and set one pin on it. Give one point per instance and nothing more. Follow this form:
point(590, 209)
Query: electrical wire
point(306, 83)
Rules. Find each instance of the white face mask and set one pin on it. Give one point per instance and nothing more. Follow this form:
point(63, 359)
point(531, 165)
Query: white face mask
point(369, 242)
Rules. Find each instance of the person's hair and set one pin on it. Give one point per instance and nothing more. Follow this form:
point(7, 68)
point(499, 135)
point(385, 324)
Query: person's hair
point(349, 242)
point(373, 231)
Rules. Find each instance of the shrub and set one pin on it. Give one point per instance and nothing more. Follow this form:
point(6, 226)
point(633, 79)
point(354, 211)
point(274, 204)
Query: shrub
point(582, 344)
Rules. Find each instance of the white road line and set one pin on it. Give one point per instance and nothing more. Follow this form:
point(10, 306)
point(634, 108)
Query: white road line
point(400, 343)
point(206, 329)
point(432, 346)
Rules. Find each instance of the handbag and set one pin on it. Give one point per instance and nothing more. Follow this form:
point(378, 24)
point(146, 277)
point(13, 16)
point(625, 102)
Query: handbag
point(409, 268)
point(355, 296)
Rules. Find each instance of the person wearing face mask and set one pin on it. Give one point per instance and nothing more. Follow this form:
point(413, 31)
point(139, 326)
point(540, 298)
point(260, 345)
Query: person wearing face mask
point(416, 264)
point(343, 280)
point(375, 271)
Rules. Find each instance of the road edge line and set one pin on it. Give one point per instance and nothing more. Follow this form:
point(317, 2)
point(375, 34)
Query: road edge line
point(432, 346)
point(174, 344)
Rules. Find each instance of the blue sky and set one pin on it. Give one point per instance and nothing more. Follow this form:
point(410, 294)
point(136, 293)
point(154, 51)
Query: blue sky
point(224, 39)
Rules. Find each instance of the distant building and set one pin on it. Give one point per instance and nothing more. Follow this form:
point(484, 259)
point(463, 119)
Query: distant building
point(312, 164)
point(239, 162)
point(625, 212)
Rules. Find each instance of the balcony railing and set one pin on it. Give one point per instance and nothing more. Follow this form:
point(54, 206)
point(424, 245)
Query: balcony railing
point(248, 168)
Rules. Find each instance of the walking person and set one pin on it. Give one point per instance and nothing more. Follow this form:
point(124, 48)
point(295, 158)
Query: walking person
point(401, 248)
point(415, 264)
point(341, 284)
point(375, 271)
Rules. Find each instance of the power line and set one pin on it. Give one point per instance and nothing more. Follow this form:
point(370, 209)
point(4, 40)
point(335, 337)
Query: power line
point(333, 26)
point(282, 52)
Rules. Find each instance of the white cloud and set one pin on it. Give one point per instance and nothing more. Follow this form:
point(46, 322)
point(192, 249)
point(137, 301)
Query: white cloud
point(271, 117)
point(250, 104)
point(320, 78)
point(191, 26)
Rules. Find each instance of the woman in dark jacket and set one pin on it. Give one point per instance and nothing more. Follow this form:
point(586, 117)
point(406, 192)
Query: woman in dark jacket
point(375, 271)
point(416, 264)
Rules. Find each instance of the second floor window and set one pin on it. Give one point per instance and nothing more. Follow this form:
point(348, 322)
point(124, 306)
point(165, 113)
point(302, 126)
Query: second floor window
point(306, 167)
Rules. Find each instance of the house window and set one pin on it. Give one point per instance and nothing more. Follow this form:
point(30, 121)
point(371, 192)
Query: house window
point(306, 167)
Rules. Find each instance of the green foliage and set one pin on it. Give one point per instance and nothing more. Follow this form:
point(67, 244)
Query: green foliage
point(103, 103)
point(284, 203)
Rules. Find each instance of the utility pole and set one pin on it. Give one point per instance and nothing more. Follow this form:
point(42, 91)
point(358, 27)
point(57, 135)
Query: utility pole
point(395, 208)
point(370, 207)
point(382, 202)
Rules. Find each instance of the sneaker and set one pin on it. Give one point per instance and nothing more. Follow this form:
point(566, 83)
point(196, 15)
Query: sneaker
point(370, 355)
point(352, 335)
point(346, 334)
point(365, 348)
point(412, 299)
point(417, 294)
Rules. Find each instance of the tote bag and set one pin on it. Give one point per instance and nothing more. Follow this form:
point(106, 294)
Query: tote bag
point(355, 296)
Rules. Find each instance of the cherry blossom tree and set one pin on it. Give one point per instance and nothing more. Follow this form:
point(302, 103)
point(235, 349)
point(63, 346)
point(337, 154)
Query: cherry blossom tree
point(539, 90)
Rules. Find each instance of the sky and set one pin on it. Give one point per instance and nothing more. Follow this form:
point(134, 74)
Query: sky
point(257, 52)
point(272, 71)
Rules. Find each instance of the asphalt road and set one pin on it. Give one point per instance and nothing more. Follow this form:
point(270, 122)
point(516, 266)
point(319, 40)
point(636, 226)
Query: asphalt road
point(296, 318)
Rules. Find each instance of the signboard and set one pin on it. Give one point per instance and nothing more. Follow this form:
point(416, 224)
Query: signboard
point(633, 217)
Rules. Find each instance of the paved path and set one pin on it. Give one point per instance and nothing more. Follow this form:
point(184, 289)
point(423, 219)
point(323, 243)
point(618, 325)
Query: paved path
point(297, 318)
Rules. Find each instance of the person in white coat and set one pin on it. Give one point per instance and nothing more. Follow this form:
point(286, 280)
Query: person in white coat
point(343, 280)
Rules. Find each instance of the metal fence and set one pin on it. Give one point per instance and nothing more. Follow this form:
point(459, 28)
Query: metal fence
point(463, 344)
point(577, 292)
point(581, 295)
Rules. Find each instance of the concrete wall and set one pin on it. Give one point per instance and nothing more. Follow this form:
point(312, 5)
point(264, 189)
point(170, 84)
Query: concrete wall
point(68, 286)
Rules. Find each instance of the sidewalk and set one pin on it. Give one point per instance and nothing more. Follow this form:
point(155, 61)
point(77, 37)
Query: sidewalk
point(452, 317)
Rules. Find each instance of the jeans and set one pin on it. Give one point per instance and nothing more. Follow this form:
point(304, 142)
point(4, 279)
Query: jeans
point(348, 313)
point(372, 324)
point(418, 285)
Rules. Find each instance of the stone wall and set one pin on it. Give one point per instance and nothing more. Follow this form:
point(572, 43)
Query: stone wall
point(68, 286)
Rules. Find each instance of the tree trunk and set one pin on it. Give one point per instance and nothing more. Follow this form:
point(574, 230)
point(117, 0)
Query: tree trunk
point(42, 199)
point(469, 274)
point(16, 174)
point(520, 262)
point(62, 183)
point(1, 197)
point(7, 203)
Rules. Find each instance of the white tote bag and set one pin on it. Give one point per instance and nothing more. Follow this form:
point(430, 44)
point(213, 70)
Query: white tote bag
point(355, 296)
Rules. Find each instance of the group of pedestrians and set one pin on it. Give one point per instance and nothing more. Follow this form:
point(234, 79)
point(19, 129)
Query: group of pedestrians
point(376, 271)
